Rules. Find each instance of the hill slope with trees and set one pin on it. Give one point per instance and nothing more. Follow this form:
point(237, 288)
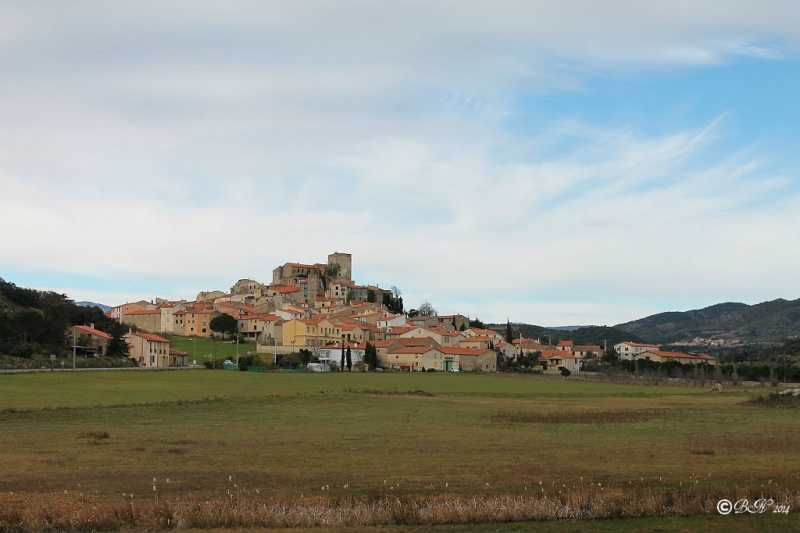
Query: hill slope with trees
point(764, 323)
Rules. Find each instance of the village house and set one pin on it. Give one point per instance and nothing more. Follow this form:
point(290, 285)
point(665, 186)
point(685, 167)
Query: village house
point(629, 350)
point(145, 319)
point(558, 359)
point(415, 358)
point(587, 352)
point(332, 353)
point(148, 350)
point(660, 356)
point(89, 341)
point(472, 359)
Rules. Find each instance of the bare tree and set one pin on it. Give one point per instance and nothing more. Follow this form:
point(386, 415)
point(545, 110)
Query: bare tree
point(426, 309)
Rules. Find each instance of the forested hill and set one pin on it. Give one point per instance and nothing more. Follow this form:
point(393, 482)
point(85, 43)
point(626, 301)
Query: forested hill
point(38, 321)
point(735, 323)
point(591, 335)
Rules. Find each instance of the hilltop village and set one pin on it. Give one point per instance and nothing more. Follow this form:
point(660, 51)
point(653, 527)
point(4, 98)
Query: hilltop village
point(319, 308)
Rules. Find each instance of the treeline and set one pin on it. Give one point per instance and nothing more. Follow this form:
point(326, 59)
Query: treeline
point(38, 322)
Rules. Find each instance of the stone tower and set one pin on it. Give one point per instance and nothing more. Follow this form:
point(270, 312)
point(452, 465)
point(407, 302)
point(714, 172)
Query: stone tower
point(345, 262)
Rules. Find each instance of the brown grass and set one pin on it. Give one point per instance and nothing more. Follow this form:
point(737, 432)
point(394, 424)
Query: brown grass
point(24, 513)
point(582, 416)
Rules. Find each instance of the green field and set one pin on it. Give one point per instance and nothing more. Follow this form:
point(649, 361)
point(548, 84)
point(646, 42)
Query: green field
point(203, 349)
point(205, 434)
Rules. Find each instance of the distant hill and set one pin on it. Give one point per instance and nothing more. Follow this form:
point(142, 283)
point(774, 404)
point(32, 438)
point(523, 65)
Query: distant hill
point(735, 323)
point(583, 336)
point(105, 308)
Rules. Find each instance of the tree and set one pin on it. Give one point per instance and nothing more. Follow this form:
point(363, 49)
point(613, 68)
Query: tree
point(565, 371)
point(349, 357)
point(426, 309)
point(328, 274)
point(341, 366)
point(371, 356)
point(224, 323)
point(117, 347)
point(476, 323)
point(509, 334)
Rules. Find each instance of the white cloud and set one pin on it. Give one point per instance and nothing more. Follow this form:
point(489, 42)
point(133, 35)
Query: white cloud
point(201, 140)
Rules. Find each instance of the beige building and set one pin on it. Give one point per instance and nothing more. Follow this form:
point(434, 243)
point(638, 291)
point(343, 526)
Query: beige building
point(195, 322)
point(259, 327)
point(415, 358)
point(473, 359)
point(558, 359)
point(248, 286)
point(148, 350)
point(146, 320)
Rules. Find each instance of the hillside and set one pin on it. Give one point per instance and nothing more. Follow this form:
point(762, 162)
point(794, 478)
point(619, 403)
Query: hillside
point(590, 335)
point(734, 323)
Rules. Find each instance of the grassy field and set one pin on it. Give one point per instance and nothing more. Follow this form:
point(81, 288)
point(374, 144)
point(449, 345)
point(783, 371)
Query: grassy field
point(204, 349)
point(437, 439)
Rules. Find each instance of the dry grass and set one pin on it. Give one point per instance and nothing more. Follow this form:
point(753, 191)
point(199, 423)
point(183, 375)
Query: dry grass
point(583, 416)
point(28, 513)
point(466, 450)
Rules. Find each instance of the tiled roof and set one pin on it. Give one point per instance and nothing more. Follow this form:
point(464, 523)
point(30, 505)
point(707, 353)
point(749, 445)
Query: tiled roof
point(93, 331)
point(151, 337)
point(412, 349)
point(463, 351)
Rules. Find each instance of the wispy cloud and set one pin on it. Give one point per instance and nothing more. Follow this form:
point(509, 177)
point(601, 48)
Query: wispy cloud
point(199, 142)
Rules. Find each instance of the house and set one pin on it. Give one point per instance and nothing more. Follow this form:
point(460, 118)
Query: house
point(258, 327)
point(565, 346)
point(458, 322)
point(148, 350)
point(144, 319)
point(480, 332)
point(507, 350)
point(558, 359)
point(475, 342)
point(683, 358)
point(587, 352)
point(630, 350)
point(89, 341)
point(382, 347)
point(415, 358)
point(472, 359)
point(119, 312)
point(302, 332)
point(392, 320)
point(332, 353)
point(441, 335)
point(178, 358)
point(197, 321)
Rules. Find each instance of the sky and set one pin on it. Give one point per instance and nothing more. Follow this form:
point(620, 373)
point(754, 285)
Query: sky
point(554, 162)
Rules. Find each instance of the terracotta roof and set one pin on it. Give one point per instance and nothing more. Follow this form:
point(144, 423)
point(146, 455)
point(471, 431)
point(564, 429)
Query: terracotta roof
point(463, 351)
point(286, 289)
point(681, 355)
point(151, 337)
point(384, 343)
point(144, 312)
point(93, 331)
point(415, 341)
point(639, 344)
point(412, 349)
point(564, 343)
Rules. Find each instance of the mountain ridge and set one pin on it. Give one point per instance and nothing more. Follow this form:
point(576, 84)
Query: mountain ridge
point(731, 323)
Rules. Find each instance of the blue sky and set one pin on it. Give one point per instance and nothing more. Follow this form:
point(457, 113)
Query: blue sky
point(554, 162)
